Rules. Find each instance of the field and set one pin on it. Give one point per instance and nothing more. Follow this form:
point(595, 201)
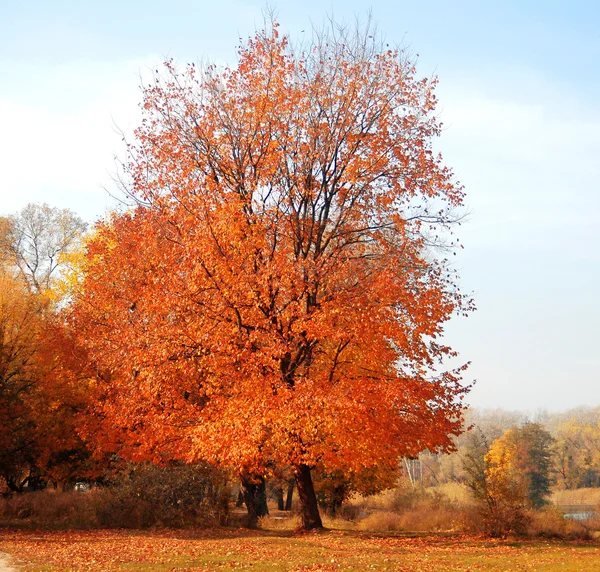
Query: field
point(584, 497)
point(285, 550)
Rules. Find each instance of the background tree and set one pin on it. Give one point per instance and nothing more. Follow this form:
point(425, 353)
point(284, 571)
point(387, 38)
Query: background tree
point(277, 296)
point(39, 236)
point(38, 400)
point(532, 460)
point(20, 324)
point(576, 454)
point(520, 459)
point(509, 476)
point(334, 488)
point(500, 497)
point(6, 231)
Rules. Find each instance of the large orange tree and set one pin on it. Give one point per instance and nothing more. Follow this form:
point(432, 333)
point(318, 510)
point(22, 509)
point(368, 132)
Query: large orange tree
point(278, 293)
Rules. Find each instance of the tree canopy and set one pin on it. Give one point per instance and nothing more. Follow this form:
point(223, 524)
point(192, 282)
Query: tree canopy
point(277, 296)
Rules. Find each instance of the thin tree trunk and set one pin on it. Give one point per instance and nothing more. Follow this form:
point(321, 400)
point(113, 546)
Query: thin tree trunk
point(308, 500)
point(240, 499)
point(255, 499)
point(337, 499)
point(290, 495)
point(279, 496)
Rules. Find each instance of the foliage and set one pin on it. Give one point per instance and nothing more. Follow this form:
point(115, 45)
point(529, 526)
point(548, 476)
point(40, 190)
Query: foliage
point(39, 237)
point(20, 325)
point(277, 296)
point(520, 461)
point(6, 230)
point(576, 457)
point(39, 395)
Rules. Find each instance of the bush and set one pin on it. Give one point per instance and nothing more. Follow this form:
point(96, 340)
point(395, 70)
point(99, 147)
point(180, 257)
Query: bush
point(50, 509)
point(500, 518)
point(171, 496)
point(547, 522)
point(551, 523)
point(145, 496)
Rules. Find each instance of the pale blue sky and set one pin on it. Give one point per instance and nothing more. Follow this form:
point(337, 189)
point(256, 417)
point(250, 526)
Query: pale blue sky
point(519, 97)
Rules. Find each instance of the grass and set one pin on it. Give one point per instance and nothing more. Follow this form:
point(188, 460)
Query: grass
point(369, 534)
point(278, 549)
point(585, 497)
point(455, 492)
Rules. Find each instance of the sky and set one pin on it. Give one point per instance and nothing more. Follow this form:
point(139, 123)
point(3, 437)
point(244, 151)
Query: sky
point(519, 92)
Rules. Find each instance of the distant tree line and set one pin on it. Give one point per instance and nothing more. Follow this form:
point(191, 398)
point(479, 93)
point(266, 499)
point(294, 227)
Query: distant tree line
point(571, 444)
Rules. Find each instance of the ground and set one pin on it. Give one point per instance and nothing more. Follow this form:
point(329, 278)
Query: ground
point(272, 550)
point(5, 564)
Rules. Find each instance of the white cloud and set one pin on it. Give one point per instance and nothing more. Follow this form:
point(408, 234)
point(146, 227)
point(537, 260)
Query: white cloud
point(60, 133)
point(531, 169)
point(529, 161)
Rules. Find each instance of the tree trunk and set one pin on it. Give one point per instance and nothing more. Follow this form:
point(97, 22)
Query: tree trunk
point(308, 500)
point(255, 498)
point(337, 499)
point(240, 499)
point(290, 495)
point(279, 496)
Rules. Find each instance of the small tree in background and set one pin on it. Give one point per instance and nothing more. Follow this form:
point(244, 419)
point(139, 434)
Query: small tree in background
point(39, 237)
point(576, 455)
point(500, 503)
point(509, 476)
point(533, 461)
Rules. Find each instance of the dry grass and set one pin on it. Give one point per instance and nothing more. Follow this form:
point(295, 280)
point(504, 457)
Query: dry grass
point(277, 520)
point(550, 523)
point(586, 497)
point(449, 508)
point(409, 509)
point(419, 519)
point(454, 492)
point(380, 501)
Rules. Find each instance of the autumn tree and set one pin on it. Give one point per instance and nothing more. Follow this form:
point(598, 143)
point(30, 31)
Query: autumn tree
point(576, 454)
point(6, 231)
point(39, 236)
point(19, 329)
point(38, 394)
point(534, 462)
point(509, 476)
point(277, 295)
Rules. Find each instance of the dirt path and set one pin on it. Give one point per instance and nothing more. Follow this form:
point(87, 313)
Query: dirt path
point(5, 564)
